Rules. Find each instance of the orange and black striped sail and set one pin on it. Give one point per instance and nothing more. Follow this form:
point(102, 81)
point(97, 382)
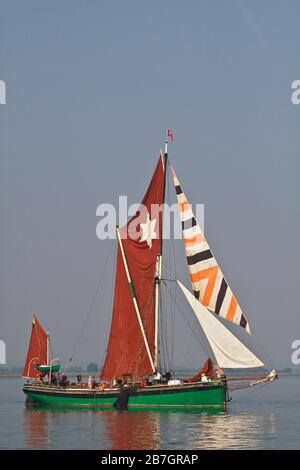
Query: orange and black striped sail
point(208, 282)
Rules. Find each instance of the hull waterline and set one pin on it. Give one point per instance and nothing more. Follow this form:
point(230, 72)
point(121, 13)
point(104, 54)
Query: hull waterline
point(211, 395)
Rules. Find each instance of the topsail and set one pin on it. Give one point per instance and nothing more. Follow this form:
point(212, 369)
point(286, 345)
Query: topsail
point(208, 282)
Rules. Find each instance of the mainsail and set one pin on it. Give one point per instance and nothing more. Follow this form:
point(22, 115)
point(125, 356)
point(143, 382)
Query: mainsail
point(228, 350)
point(37, 351)
point(208, 282)
point(131, 346)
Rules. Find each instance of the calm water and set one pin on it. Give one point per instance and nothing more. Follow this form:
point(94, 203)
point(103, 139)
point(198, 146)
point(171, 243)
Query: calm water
point(268, 418)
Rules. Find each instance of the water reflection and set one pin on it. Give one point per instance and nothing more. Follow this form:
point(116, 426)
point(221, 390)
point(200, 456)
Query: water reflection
point(222, 431)
point(37, 423)
point(110, 429)
point(132, 430)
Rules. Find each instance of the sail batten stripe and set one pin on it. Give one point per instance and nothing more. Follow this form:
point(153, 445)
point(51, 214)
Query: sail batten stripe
point(198, 257)
point(197, 294)
point(231, 309)
point(221, 296)
point(188, 223)
point(243, 322)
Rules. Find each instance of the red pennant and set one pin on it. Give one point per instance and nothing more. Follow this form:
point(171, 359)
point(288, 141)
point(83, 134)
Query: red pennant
point(170, 135)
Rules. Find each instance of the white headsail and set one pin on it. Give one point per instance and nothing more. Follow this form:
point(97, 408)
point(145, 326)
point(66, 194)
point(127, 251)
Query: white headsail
point(228, 350)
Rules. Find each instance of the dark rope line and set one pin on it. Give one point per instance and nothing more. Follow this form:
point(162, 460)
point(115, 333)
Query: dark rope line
point(165, 336)
point(248, 392)
point(173, 258)
point(68, 362)
point(110, 307)
point(188, 323)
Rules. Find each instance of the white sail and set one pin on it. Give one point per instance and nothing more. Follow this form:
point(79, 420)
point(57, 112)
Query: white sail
point(228, 350)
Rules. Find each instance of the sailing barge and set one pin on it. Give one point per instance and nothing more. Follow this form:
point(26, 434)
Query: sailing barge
point(134, 341)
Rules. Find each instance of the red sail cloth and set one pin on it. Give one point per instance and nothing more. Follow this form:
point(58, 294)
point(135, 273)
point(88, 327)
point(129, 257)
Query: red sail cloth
point(207, 369)
point(126, 351)
point(37, 351)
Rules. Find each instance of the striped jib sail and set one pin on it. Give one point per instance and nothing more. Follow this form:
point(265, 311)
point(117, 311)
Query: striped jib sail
point(208, 282)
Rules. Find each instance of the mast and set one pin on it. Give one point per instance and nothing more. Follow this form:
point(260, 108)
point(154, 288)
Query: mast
point(157, 294)
point(165, 158)
point(48, 348)
point(159, 263)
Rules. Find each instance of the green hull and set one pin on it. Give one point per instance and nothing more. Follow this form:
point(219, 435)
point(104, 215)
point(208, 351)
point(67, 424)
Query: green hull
point(210, 395)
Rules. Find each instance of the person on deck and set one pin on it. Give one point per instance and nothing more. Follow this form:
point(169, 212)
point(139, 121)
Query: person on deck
point(64, 381)
point(79, 379)
point(157, 377)
point(168, 376)
point(39, 377)
point(119, 383)
point(54, 380)
point(90, 382)
point(219, 372)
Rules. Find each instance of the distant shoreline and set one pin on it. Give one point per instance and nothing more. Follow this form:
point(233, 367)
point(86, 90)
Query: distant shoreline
point(18, 374)
point(11, 373)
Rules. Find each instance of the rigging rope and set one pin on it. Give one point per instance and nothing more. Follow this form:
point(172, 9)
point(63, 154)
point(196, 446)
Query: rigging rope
point(255, 338)
point(68, 361)
point(246, 394)
point(184, 357)
point(145, 321)
point(107, 329)
point(188, 322)
point(172, 256)
point(164, 337)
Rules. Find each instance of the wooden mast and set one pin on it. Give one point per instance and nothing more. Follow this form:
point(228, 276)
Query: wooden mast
point(158, 270)
point(48, 348)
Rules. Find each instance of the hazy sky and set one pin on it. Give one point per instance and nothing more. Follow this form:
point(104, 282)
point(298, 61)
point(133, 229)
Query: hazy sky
point(91, 87)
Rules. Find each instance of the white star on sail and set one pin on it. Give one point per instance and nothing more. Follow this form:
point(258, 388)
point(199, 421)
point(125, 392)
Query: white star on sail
point(148, 229)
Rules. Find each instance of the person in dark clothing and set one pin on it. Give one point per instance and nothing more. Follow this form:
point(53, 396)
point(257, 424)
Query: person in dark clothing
point(79, 379)
point(54, 379)
point(64, 381)
point(168, 376)
point(119, 383)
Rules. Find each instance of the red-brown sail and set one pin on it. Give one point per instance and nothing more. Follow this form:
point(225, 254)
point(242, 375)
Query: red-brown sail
point(127, 352)
point(37, 351)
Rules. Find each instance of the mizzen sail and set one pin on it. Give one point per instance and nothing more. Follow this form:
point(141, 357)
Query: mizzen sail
point(227, 348)
point(37, 351)
point(208, 282)
point(132, 334)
